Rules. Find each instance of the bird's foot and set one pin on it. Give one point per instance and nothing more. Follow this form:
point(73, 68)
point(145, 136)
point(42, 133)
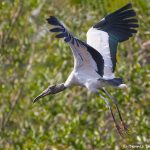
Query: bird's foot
point(119, 130)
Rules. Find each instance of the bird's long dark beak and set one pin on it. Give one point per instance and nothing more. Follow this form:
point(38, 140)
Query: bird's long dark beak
point(51, 90)
point(44, 93)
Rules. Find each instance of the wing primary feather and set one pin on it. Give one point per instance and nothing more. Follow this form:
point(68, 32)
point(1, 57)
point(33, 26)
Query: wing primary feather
point(53, 21)
point(61, 35)
point(123, 25)
point(68, 38)
point(57, 30)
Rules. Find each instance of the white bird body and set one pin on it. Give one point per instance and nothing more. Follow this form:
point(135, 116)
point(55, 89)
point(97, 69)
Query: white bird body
point(95, 60)
point(83, 78)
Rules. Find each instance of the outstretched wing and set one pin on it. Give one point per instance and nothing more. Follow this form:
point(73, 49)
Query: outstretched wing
point(116, 27)
point(84, 55)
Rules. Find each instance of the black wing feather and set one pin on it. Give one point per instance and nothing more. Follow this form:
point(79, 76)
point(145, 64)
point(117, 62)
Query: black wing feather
point(57, 30)
point(53, 21)
point(68, 38)
point(63, 32)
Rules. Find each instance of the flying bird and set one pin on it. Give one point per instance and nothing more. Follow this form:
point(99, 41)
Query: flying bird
point(95, 60)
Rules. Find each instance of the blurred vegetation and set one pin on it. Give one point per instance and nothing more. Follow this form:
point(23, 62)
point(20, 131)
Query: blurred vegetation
point(31, 59)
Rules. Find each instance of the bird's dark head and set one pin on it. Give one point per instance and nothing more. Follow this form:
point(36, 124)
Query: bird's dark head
point(51, 90)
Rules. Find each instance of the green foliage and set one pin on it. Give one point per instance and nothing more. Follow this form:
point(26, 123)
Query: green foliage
point(31, 59)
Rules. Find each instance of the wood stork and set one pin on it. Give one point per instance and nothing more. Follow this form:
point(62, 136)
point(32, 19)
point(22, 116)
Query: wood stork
point(95, 60)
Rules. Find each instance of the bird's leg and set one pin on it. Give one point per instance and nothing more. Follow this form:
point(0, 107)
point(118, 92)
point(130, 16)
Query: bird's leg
point(115, 102)
point(51, 90)
point(112, 114)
